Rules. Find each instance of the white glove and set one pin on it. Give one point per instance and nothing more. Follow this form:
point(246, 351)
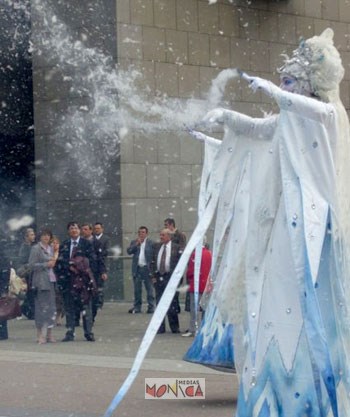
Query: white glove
point(203, 138)
point(214, 116)
point(195, 134)
point(257, 83)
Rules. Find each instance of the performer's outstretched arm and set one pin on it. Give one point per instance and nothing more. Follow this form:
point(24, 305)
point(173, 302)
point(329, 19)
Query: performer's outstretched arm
point(256, 128)
point(308, 107)
point(203, 138)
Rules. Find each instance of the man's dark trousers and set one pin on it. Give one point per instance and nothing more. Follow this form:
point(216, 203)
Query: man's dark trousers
point(173, 318)
point(72, 304)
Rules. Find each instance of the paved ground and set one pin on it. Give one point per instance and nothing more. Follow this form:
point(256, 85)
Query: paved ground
point(79, 379)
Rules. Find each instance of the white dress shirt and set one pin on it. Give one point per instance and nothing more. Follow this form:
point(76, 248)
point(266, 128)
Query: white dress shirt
point(142, 257)
point(72, 245)
point(167, 259)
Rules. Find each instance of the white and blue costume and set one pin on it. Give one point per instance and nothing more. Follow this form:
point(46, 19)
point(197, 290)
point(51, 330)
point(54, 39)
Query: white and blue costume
point(277, 188)
point(282, 282)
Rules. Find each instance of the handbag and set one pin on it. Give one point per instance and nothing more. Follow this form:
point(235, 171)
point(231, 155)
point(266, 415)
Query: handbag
point(9, 308)
point(18, 286)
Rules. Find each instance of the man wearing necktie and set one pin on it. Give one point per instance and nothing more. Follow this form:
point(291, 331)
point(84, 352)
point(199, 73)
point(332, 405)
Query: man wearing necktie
point(166, 255)
point(142, 249)
point(73, 249)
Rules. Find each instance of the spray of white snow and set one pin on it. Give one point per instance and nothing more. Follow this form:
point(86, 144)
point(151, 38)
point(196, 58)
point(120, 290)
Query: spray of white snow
point(90, 133)
point(17, 223)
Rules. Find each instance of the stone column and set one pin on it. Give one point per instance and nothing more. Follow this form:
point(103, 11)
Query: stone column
point(76, 146)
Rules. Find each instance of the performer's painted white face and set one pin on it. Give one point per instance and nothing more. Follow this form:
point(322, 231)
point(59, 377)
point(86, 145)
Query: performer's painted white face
point(293, 85)
point(289, 83)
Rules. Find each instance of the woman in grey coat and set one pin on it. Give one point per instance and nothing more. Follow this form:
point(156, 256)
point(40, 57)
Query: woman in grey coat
point(41, 262)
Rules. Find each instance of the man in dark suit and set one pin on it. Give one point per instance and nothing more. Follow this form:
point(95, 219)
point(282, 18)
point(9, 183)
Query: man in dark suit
point(73, 248)
point(166, 255)
point(102, 246)
point(142, 250)
point(102, 238)
point(176, 236)
point(180, 238)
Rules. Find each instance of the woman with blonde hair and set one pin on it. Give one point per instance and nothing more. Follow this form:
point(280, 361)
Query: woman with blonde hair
point(55, 243)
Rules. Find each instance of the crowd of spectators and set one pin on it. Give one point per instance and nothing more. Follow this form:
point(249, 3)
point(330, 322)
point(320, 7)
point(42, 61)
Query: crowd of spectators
point(152, 266)
point(65, 280)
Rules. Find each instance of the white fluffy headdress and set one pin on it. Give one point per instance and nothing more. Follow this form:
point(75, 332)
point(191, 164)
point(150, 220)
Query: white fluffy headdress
point(317, 62)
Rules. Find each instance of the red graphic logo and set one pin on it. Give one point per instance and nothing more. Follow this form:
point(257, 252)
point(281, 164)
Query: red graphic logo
point(175, 388)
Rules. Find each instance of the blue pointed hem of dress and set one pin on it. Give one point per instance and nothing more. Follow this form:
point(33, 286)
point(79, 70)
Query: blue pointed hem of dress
point(216, 353)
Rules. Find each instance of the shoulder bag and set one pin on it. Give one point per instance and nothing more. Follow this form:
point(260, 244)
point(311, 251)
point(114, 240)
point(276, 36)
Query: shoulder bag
point(9, 308)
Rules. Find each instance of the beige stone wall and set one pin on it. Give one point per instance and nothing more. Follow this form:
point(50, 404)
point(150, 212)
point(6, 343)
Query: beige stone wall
point(180, 46)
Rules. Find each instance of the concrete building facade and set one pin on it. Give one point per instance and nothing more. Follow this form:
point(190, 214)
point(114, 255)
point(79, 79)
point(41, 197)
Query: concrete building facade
point(179, 47)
